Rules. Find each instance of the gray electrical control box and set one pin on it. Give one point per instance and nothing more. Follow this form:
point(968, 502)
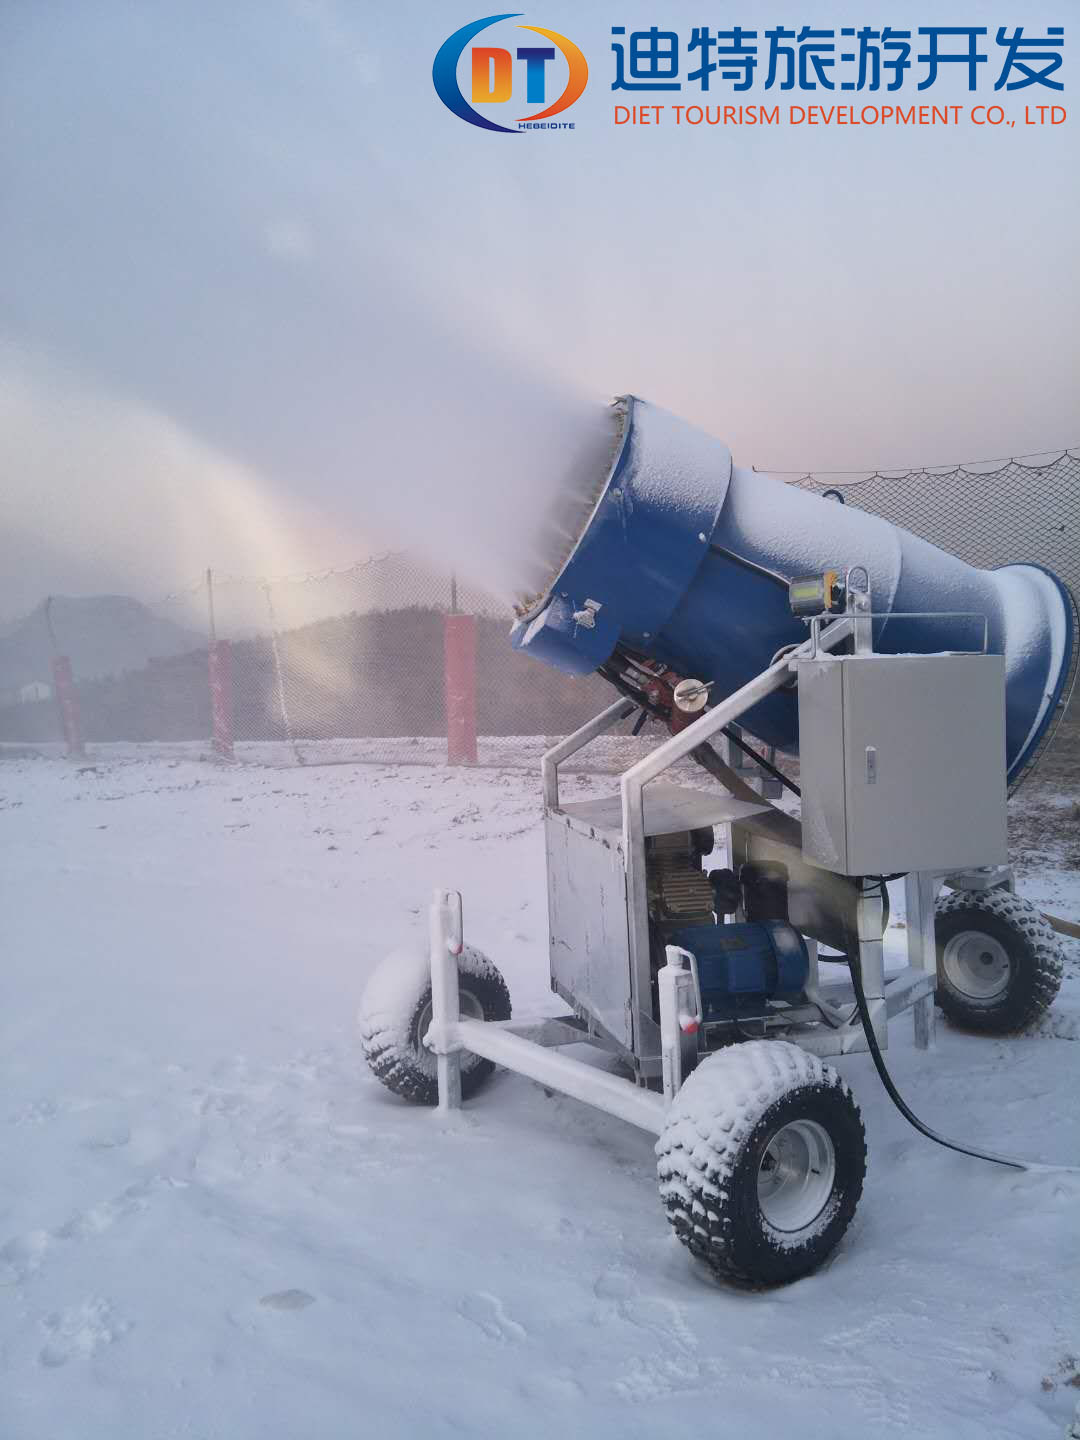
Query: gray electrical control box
point(902, 761)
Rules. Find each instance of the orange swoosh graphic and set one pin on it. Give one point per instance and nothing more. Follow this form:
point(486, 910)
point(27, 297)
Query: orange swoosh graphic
point(579, 72)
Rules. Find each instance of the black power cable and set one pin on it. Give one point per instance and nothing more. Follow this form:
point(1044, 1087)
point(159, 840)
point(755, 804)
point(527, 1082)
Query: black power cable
point(777, 774)
point(887, 1080)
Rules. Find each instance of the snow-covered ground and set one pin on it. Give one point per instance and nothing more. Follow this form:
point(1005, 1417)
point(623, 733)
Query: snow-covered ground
point(214, 1224)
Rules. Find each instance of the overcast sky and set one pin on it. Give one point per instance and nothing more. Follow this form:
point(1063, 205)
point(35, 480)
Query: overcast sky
point(254, 279)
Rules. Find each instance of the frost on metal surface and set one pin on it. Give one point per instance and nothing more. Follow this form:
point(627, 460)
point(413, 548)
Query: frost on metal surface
point(569, 513)
point(677, 467)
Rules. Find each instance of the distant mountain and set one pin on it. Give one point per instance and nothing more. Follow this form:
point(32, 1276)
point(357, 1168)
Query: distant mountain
point(101, 634)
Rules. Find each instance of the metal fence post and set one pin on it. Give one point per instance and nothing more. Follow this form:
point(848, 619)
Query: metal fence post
point(459, 643)
point(279, 672)
point(219, 665)
point(68, 701)
point(221, 697)
point(64, 689)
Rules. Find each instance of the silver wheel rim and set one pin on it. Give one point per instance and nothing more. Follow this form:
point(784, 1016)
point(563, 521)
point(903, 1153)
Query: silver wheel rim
point(471, 1009)
point(976, 964)
point(796, 1175)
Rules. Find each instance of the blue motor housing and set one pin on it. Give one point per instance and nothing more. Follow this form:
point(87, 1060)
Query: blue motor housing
point(738, 964)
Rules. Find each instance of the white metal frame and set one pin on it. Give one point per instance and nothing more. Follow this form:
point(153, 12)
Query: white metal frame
point(500, 1042)
point(530, 1048)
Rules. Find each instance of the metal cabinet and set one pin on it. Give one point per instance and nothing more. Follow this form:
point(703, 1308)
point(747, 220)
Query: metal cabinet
point(902, 760)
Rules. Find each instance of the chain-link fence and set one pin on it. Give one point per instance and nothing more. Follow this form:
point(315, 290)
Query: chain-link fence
point(391, 661)
point(998, 513)
point(376, 663)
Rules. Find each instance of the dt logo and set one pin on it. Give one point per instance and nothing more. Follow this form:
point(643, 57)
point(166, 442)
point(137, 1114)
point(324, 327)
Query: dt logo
point(492, 74)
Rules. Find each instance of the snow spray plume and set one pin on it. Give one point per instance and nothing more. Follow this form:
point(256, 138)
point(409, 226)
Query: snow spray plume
point(285, 310)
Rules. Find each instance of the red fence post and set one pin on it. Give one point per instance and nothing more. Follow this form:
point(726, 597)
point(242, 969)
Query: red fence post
point(459, 636)
point(221, 696)
point(68, 700)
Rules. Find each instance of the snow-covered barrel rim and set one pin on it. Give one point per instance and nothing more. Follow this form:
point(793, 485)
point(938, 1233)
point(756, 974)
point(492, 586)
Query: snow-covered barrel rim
point(621, 411)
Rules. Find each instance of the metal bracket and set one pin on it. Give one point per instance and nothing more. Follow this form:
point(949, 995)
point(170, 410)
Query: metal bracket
point(989, 877)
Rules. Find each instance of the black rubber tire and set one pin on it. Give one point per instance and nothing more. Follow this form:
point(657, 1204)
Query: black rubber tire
point(392, 1017)
point(710, 1152)
point(1034, 953)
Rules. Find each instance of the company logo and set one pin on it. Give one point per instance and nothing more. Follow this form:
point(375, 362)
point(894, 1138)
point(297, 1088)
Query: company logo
point(493, 75)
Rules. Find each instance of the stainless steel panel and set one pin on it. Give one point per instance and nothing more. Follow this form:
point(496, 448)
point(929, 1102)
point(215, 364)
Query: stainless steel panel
point(668, 808)
point(821, 764)
point(587, 915)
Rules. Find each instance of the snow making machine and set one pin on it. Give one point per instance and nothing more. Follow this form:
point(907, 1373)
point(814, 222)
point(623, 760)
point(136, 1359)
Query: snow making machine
point(718, 948)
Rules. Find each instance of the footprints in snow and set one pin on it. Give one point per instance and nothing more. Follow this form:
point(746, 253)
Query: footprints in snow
point(80, 1330)
point(674, 1364)
point(22, 1256)
point(92, 1124)
point(487, 1313)
point(663, 1322)
point(287, 1300)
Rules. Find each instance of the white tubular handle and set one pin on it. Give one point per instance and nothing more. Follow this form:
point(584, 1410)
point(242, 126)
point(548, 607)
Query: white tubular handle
point(446, 945)
point(680, 1016)
point(455, 935)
